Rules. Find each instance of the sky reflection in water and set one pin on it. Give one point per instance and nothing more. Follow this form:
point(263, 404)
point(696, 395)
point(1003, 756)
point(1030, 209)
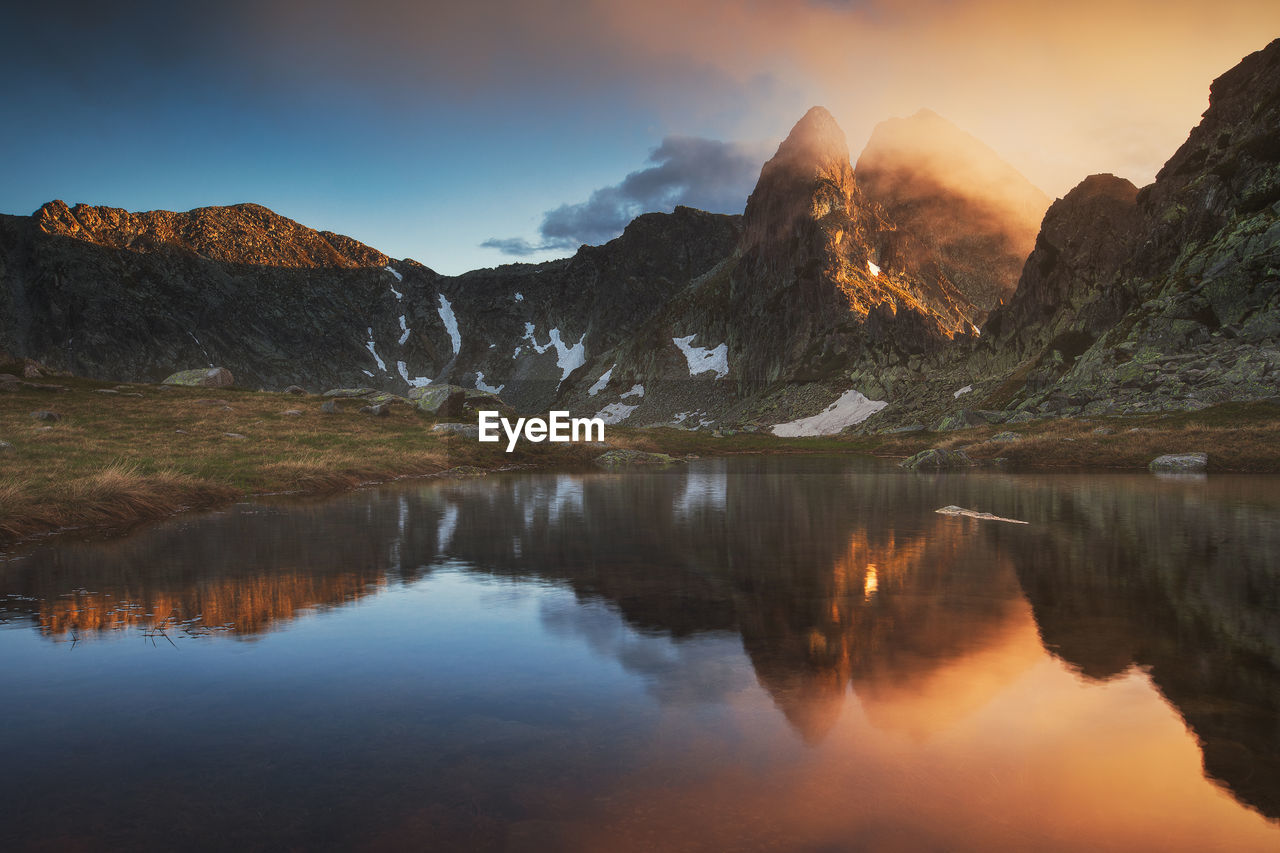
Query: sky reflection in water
point(764, 652)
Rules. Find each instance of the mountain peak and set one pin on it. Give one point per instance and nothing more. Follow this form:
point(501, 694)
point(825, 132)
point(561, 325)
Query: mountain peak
point(815, 142)
point(244, 233)
point(964, 205)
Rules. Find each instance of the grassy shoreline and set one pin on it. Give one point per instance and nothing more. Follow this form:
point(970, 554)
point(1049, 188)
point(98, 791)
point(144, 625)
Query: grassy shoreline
point(124, 454)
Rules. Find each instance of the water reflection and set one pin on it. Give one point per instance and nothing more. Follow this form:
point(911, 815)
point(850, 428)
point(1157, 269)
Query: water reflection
point(847, 593)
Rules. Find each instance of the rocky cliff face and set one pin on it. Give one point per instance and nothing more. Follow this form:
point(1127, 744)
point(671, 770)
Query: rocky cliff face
point(812, 287)
point(1160, 299)
point(963, 214)
point(1173, 302)
point(1085, 239)
point(101, 292)
point(77, 300)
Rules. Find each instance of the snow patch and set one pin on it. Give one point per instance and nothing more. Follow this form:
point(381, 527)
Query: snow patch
point(615, 413)
point(873, 269)
point(601, 382)
point(965, 390)
point(636, 391)
point(399, 277)
point(382, 365)
point(519, 297)
point(404, 328)
point(568, 358)
point(413, 381)
point(697, 420)
point(702, 359)
point(852, 408)
point(450, 324)
point(366, 372)
point(480, 384)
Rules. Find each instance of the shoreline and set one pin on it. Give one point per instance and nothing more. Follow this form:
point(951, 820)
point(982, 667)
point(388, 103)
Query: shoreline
point(120, 455)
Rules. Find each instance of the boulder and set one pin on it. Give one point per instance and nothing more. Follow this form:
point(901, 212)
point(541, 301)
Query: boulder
point(1180, 463)
point(962, 420)
point(1005, 436)
point(937, 459)
point(477, 399)
point(46, 416)
point(5, 447)
point(464, 430)
point(202, 377)
point(442, 400)
point(293, 413)
point(350, 392)
point(329, 407)
point(377, 410)
point(619, 458)
point(296, 389)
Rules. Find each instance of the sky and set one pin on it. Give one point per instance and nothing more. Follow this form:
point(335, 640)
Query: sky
point(470, 135)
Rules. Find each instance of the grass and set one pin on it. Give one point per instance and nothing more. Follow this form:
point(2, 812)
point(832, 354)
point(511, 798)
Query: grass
point(1238, 437)
point(114, 459)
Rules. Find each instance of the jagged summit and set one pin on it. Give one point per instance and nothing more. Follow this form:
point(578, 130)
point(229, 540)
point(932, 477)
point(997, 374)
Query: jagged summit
point(816, 142)
point(241, 233)
point(967, 210)
point(809, 177)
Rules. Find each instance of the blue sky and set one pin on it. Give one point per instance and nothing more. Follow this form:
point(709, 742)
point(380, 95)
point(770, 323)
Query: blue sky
point(425, 129)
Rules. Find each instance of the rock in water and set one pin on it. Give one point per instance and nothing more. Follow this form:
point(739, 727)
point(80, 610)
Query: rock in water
point(1180, 463)
point(619, 458)
point(202, 377)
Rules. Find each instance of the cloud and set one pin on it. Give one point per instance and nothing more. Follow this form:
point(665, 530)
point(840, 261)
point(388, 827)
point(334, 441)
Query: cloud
point(1058, 89)
point(704, 173)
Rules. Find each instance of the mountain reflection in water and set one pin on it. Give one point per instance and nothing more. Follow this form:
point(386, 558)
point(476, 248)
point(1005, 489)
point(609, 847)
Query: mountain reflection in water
point(851, 599)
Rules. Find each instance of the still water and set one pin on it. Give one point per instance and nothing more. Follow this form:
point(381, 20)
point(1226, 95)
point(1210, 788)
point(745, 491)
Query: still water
point(764, 653)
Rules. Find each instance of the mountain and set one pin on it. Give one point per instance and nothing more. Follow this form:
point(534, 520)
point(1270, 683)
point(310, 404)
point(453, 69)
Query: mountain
point(106, 294)
point(243, 234)
point(962, 212)
point(810, 285)
point(841, 291)
point(1160, 299)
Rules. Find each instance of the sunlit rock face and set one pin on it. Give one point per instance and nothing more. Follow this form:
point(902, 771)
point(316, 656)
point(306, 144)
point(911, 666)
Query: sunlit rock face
point(811, 293)
point(240, 234)
point(962, 213)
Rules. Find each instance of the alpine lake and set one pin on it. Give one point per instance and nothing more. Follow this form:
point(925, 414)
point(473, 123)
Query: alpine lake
point(755, 653)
